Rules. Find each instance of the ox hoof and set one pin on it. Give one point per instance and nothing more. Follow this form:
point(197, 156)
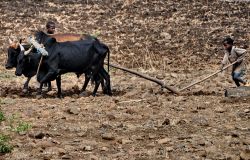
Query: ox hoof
point(83, 94)
point(39, 96)
point(107, 93)
point(60, 96)
point(48, 89)
point(25, 90)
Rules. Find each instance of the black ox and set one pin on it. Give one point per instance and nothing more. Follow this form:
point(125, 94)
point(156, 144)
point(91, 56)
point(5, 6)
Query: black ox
point(84, 56)
point(31, 64)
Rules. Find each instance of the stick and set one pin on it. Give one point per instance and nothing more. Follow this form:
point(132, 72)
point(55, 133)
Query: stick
point(208, 76)
point(161, 83)
point(39, 65)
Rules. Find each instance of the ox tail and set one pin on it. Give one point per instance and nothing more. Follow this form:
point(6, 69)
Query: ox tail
point(108, 58)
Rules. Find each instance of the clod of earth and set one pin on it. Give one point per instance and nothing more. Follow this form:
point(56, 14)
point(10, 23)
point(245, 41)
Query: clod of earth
point(108, 136)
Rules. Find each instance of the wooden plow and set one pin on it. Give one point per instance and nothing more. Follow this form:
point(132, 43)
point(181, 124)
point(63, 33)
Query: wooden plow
point(229, 92)
point(157, 81)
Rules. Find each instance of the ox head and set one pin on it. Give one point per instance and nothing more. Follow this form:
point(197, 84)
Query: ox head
point(13, 51)
point(20, 61)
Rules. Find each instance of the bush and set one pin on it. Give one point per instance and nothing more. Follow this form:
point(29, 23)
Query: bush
point(22, 127)
point(4, 146)
point(2, 117)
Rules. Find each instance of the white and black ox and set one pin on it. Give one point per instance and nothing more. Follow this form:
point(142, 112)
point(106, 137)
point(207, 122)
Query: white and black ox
point(83, 56)
point(31, 65)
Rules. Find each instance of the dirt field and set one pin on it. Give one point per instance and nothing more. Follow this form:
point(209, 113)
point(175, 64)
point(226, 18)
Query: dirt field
point(176, 41)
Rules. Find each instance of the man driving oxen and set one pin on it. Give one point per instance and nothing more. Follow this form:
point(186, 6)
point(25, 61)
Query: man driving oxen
point(51, 27)
point(59, 38)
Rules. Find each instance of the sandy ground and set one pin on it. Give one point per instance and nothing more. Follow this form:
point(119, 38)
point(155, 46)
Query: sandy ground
point(177, 42)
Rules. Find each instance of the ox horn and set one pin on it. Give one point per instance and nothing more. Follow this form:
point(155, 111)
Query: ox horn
point(29, 50)
point(21, 47)
point(10, 41)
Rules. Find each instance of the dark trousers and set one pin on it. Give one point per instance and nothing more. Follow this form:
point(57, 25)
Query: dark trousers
point(237, 77)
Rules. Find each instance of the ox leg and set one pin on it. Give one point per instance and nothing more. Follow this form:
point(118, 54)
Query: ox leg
point(49, 86)
point(39, 91)
point(97, 84)
point(86, 81)
point(26, 85)
point(107, 79)
point(48, 77)
point(104, 87)
point(58, 84)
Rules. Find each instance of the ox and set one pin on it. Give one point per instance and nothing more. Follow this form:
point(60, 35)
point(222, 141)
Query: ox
point(84, 56)
point(30, 70)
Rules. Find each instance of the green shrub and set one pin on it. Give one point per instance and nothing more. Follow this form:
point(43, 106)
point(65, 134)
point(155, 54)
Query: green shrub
point(22, 127)
point(4, 146)
point(2, 117)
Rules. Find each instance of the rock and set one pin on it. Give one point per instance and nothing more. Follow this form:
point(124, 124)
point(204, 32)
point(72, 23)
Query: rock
point(235, 134)
point(75, 96)
point(111, 117)
point(137, 137)
point(246, 141)
point(87, 148)
point(152, 136)
point(82, 134)
point(108, 136)
point(166, 35)
point(22, 133)
point(160, 76)
point(200, 121)
point(164, 140)
point(104, 149)
point(169, 149)
point(174, 75)
point(220, 110)
point(125, 141)
point(19, 156)
point(44, 144)
point(203, 153)
point(74, 110)
point(166, 121)
point(54, 151)
point(66, 157)
point(152, 144)
point(93, 157)
point(247, 111)
point(242, 91)
point(245, 155)
point(39, 135)
point(69, 148)
point(201, 107)
point(105, 126)
point(182, 122)
point(130, 111)
point(211, 152)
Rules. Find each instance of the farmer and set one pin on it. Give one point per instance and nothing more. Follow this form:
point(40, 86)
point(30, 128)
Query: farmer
point(51, 26)
point(233, 54)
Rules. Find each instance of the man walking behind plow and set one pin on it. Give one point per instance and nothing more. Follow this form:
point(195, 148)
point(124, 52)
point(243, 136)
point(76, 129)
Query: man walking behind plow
point(233, 54)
